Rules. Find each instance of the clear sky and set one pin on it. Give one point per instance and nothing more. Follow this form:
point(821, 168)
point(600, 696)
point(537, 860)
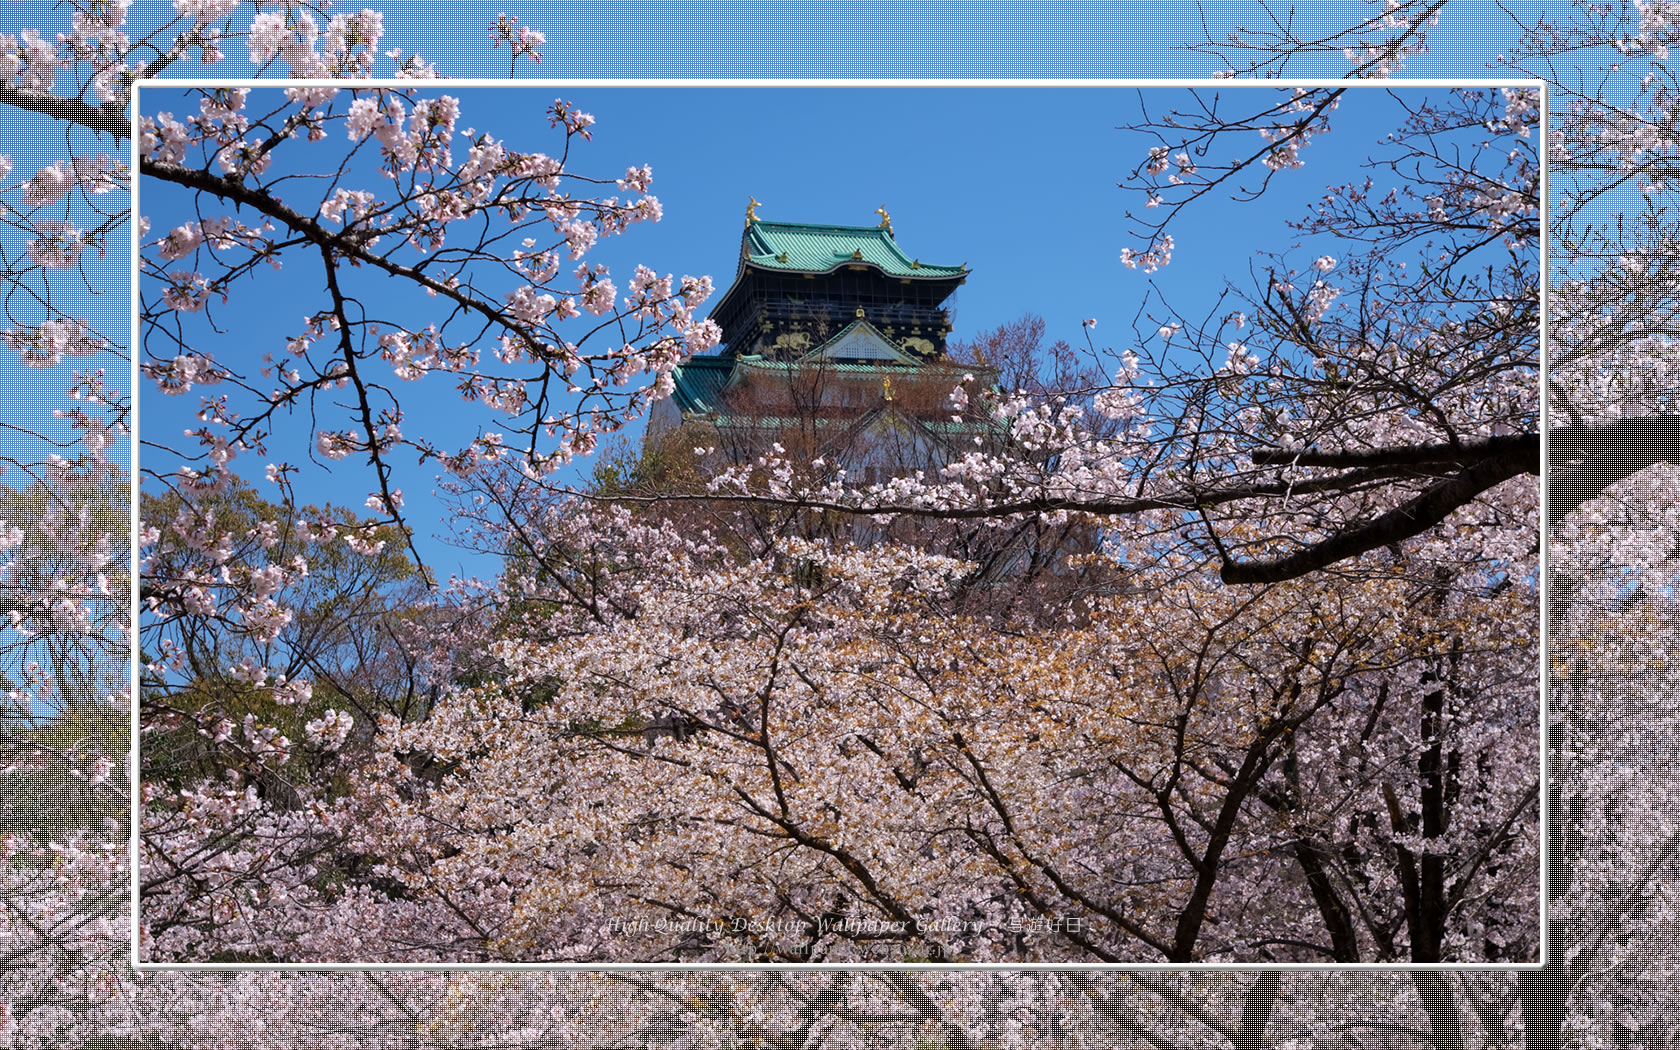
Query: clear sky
point(852, 38)
point(1019, 183)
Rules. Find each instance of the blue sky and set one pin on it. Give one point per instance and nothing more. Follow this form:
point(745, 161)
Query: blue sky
point(852, 38)
point(1019, 183)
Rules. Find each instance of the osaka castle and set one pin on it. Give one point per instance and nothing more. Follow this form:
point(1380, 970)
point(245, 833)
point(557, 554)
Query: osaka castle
point(834, 348)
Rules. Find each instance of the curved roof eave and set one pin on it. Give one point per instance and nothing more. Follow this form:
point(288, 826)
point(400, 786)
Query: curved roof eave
point(808, 248)
point(926, 273)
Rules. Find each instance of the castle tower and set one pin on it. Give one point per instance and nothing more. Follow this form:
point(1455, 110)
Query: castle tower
point(836, 336)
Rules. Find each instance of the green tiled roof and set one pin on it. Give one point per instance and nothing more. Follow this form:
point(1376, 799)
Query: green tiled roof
point(699, 381)
point(943, 428)
point(802, 248)
point(888, 368)
point(891, 368)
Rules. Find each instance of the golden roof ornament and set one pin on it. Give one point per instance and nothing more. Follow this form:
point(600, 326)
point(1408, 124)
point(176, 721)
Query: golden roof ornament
point(752, 203)
point(886, 220)
point(886, 388)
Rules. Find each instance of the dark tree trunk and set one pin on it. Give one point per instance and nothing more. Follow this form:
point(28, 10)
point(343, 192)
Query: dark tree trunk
point(1257, 1011)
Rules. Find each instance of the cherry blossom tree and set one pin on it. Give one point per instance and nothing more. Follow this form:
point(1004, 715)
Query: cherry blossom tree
point(1357, 400)
point(63, 572)
point(1612, 439)
point(221, 592)
point(1334, 381)
point(805, 424)
point(63, 905)
point(237, 151)
point(671, 706)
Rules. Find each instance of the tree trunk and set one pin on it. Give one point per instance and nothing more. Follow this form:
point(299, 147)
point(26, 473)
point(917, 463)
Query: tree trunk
point(1435, 992)
point(1257, 1011)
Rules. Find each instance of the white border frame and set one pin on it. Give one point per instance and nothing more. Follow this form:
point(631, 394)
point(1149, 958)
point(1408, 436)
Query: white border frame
point(175, 85)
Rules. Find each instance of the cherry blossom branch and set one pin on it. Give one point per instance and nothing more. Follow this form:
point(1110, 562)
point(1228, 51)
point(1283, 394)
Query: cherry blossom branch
point(1417, 515)
point(1376, 46)
point(234, 189)
point(106, 120)
point(1589, 459)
